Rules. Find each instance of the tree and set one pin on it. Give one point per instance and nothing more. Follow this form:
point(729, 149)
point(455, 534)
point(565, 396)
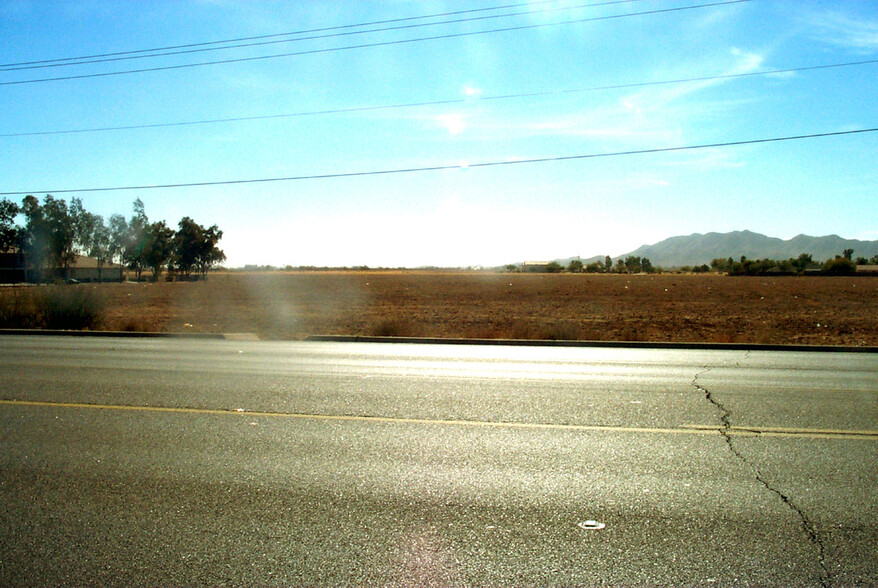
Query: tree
point(83, 226)
point(553, 267)
point(118, 235)
point(840, 266)
point(47, 237)
point(848, 254)
point(158, 247)
point(720, 265)
point(575, 266)
point(632, 264)
point(210, 254)
point(646, 266)
point(135, 239)
point(61, 230)
point(34, 236)
point(101, 244)
point(187, 245)
point(195, 248)
point(8, 231)
point(803, 262)
point(608, 263)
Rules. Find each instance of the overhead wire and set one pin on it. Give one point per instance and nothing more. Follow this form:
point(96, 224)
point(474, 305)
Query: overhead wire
point(354, 109)
point(189, 49)
point(376, 44)
point(273, 35)
point(447, 167)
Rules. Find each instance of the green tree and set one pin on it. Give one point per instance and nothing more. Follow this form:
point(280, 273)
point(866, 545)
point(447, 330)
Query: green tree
point(91, 236)
point(118, 236)
point(62, 232)
point(47, 237)
point(608, 264)
point(720, 265)
point(34, 238)
point(83, 226)
point(553, 267)
point(101, 244)
point(134, 241)
point(848, 254)
point(575, 266)
point(8, 231)
point(840, 266)
point(803, 262)
point(632, 264)
point(187, 245)
point(195, 247)
point(158, 247)
point(209, 254)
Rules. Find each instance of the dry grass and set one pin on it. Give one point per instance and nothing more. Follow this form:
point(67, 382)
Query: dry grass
point(52, 307)
point(701, 308)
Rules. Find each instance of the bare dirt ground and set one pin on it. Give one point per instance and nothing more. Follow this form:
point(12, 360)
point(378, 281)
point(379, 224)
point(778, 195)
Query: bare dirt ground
point(666, 307)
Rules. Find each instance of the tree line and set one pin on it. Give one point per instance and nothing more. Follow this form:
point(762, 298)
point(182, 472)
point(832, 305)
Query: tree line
point(630, 265)
point(54, 233)
point(840, 265)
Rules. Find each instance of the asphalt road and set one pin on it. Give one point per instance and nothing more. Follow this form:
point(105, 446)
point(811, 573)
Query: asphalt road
point(179, 462)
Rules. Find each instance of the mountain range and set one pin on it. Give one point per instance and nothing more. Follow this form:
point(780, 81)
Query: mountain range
point(697, 249)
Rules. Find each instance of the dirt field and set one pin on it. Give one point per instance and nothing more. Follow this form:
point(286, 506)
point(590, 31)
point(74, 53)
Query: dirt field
point(700, 308)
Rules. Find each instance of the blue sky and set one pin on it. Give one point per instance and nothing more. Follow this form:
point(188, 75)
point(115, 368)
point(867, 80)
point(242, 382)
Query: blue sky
point(553, 81)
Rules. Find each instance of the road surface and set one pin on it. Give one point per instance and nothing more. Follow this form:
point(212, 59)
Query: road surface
point(180, 462)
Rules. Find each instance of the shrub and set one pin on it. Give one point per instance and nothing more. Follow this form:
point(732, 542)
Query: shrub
point(52, 307)
point(18, 310)
point(840, 266)
point(398, 327)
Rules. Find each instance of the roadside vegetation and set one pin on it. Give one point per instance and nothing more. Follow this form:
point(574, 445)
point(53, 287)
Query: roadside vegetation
point(51, 235)
point(52, 307)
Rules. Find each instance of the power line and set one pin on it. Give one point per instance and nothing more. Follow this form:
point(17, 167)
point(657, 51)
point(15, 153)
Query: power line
point(200, 48)
point(354, 109)
point(275, 35)
point(370, 45)
point(412, 170)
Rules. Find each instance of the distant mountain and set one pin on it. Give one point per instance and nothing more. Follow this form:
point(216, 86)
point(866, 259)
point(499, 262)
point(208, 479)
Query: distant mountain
point(697, 249)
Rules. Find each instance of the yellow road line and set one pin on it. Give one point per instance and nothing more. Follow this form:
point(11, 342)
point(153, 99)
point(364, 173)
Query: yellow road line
point(788, 432)
point(685, 430)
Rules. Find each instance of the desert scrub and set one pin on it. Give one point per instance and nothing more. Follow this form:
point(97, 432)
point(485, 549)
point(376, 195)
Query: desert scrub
point(52, 307)
point(18, 309)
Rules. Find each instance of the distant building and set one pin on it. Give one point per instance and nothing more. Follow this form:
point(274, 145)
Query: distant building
point(14, 269)
point(85, 269)
point(535, 266)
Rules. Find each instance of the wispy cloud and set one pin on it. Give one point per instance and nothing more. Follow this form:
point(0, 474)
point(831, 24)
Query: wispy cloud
point(707, 160)
point(454, 123)
point(846, 30)
point(655, 116)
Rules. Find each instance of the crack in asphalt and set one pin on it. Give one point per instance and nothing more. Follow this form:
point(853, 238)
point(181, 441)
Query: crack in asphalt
point(807, 524)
